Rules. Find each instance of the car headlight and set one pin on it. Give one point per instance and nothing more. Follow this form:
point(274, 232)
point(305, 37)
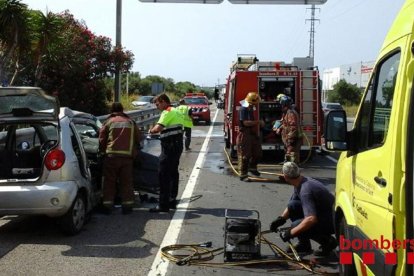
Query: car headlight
point(204, 109)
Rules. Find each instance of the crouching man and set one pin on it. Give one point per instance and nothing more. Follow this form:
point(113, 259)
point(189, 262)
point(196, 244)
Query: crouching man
point(310, 209)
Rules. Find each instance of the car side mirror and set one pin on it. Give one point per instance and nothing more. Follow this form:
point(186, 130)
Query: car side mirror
point(335, 131)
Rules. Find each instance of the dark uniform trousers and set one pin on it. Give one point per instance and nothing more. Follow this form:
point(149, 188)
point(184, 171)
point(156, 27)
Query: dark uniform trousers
point(116, 167)
point(187, 132)
point(321, 228)
point(249, 150)
point(171, 149)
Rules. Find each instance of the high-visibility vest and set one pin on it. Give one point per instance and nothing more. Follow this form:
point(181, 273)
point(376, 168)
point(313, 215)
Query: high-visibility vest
point(185, 109)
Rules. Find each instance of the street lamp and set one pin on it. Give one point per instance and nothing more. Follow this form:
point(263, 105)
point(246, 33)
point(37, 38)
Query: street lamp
point(118, 44)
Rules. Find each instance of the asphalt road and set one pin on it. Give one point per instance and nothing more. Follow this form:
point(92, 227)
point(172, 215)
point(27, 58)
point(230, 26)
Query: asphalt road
point(129, 245)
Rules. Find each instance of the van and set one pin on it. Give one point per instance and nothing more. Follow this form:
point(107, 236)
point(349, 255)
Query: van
point(374, 178)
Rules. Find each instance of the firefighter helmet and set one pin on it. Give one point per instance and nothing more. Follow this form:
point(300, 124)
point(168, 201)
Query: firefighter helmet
point(252, 98)
point(284, 100)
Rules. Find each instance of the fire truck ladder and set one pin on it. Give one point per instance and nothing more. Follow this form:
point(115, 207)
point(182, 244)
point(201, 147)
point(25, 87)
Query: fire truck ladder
point(309, 105)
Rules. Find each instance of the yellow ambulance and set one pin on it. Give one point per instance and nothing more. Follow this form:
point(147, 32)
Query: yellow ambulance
point(374, 180)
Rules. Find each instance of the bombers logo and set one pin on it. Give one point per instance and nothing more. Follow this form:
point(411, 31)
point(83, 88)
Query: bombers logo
point(368, 246)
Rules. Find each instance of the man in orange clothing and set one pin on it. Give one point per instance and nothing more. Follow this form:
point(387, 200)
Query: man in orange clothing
point(119, 140)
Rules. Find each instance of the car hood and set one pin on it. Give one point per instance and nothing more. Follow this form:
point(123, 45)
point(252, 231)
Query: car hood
point(27, 103)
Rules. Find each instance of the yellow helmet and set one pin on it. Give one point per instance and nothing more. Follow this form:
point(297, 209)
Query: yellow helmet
point(252, 98)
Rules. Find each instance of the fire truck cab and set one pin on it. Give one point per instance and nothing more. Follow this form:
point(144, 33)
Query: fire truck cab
point(299, 80)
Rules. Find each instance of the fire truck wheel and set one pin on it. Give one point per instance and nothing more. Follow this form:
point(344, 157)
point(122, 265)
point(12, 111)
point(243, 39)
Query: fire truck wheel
point(227, 141)
point(233, 153)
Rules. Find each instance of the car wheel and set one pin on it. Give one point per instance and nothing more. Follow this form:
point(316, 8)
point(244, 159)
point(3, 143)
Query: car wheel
point(208, 122)
point(74, 220)
point(345, 270)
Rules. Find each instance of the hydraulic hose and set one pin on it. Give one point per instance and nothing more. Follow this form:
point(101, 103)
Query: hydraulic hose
point(202, 254)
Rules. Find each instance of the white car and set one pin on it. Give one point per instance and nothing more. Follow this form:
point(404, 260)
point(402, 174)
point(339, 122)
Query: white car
point(48, 159)
point(144, 102)
point(331, 106)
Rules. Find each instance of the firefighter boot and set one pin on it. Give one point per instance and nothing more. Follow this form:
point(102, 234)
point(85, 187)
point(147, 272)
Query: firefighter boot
point(254, 171)
point(327, 244)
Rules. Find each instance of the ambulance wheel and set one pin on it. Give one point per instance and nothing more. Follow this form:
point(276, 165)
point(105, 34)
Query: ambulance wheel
point(349, 269)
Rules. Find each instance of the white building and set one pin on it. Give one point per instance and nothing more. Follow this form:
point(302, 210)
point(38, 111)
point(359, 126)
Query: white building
point(355, 73)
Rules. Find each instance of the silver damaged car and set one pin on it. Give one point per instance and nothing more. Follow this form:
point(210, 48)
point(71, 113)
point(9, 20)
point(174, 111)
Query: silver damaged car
point(44, 168)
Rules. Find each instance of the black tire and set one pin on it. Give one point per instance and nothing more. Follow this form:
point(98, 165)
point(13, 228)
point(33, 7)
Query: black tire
point(208, 123)
point(346, 270)
point(73, 221)
point(227, 140)
point(233, 152)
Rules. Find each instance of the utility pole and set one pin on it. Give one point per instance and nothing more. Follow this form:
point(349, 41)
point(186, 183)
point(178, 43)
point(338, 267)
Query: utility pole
point(312, 31)
point(118, 44)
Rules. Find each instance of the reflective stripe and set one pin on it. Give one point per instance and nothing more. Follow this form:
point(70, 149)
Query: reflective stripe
point(128, 202)
point(122, 125)
point(171, 133)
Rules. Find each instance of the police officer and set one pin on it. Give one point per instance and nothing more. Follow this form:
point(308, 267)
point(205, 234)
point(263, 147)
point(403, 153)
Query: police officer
point(289, 129)
point(186, 111)
point(170, 127)
point(119, 139)
point(249, 149)
point(310, 209)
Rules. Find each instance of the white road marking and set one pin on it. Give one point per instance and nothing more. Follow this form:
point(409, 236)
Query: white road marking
point(160, 266)
point(331, 158)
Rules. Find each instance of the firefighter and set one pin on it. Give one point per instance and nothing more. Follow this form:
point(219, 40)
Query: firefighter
point(188, 122)
point(170, 127)
point(249, 149)
point(290, 129)
point(119, 139)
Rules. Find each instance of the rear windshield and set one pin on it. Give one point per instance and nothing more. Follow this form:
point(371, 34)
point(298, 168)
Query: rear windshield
point(34, 101)
point(196, 101)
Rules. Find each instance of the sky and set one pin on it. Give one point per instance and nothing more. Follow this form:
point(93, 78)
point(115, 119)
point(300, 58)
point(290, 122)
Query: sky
point(199, 42)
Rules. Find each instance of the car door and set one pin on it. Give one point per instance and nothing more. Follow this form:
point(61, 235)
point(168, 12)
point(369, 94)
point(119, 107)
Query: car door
point(373, 158)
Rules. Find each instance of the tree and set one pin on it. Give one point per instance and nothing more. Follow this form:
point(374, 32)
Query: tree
point(345, 93)
point(13, 36)
point(184, 87)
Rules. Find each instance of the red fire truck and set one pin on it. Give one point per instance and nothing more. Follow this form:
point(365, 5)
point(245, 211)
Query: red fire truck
point(299, 80)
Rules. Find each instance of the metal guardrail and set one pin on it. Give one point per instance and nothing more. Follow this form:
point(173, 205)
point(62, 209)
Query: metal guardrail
point(145, 118)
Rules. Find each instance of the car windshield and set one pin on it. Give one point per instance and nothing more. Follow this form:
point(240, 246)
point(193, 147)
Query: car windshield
point(195, 100)
point(146, 99)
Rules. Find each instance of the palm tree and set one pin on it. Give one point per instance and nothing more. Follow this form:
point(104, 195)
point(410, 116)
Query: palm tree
point(13, 34)
point(48, 28)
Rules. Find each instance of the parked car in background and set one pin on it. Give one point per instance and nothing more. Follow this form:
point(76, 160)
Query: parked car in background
point(48, 158)
point(331, 106)
point(200, 106)
point(144, 102)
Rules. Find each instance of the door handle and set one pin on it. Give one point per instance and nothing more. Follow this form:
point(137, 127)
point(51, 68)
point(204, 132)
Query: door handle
point(380, 181)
